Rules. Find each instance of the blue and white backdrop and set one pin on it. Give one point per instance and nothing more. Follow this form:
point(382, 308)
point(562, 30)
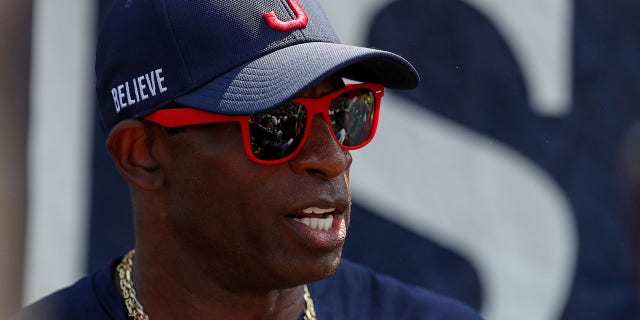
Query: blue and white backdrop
point(505, 180)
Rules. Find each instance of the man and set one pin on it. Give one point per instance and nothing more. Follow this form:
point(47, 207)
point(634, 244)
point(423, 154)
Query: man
point(232, 123)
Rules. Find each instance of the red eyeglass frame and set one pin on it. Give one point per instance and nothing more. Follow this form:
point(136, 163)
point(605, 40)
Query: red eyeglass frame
point(188, 116)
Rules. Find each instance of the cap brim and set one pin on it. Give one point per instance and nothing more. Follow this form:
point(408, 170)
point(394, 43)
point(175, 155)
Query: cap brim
point(281, 75)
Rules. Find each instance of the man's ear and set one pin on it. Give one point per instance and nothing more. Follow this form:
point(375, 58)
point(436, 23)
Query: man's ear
point(130, 147)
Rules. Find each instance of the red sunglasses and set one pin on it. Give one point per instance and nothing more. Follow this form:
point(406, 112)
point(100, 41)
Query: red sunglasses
point(277, 135)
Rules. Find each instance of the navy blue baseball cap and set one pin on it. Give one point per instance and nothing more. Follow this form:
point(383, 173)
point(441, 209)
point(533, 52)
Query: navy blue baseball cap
point(225, 56)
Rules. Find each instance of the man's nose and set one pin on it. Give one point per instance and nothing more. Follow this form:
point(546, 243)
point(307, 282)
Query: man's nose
point(321, 155)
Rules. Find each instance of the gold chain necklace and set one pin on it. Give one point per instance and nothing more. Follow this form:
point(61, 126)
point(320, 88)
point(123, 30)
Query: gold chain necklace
point(125, 269)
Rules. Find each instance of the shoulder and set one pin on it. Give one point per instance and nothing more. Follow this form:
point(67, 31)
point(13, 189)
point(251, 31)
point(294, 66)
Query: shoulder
point(357, 292)
point(92, 297)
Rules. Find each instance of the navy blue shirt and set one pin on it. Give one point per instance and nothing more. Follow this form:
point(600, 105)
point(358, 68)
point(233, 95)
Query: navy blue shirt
point(353, 292)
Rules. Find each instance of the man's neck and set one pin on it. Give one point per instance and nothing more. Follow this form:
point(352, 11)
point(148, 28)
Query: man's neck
point(177, 290)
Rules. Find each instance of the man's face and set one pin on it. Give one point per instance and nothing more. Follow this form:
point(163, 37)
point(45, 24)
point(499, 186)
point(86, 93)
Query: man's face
point(244, 220)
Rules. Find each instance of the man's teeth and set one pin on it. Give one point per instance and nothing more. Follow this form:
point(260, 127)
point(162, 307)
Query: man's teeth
point(318, 210)
point(320, 224)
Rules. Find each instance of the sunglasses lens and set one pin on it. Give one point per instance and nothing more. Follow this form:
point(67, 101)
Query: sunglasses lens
point(276, 133)
point(352, 116)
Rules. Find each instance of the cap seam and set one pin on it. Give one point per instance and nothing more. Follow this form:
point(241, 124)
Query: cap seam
point(292, 15)
point(174, 39)
point(287, 9)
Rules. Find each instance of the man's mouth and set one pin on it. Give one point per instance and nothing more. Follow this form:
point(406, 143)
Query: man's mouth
point(320, 226)
point(320, 219)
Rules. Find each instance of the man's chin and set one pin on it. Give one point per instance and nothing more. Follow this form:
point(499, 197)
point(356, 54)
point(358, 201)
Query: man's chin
point(318, 270)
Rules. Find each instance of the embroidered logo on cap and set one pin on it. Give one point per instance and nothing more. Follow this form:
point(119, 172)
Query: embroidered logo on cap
point(300, 22)
point(138, 89)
